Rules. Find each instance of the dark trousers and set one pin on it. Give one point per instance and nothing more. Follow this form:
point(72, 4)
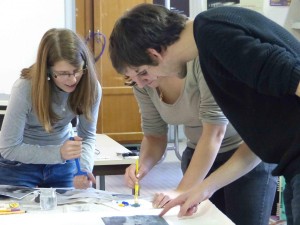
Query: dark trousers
point(248, 200)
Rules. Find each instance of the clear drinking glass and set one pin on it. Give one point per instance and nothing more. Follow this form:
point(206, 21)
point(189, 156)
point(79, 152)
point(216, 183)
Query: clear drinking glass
point(48, 199)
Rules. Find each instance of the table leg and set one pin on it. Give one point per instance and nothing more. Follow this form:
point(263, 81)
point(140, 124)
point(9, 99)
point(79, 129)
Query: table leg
point(102, 182)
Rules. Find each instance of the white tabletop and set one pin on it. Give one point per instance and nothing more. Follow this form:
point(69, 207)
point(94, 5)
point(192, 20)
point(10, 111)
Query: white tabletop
point(88, 213)
point(108, 149)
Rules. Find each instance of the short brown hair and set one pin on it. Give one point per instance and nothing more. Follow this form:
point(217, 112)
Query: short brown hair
point(144, 26)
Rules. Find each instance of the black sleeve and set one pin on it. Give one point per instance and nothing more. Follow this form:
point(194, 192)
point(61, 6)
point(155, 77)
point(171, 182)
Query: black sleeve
point(259, 58)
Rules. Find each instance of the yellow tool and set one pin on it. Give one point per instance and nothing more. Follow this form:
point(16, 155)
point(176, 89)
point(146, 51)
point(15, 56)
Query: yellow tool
point(136, 186)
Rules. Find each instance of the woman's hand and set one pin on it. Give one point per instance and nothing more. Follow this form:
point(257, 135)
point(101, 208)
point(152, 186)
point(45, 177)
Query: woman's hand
point(188, 201)
point(84, 182)
point(131, 177)
point(161, 199)
point(71, 149)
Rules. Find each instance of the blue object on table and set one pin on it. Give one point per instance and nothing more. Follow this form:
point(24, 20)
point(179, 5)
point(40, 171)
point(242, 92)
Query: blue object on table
point(79, 171)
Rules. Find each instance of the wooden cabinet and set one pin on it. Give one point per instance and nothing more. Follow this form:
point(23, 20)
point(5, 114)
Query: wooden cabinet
point(119, 115)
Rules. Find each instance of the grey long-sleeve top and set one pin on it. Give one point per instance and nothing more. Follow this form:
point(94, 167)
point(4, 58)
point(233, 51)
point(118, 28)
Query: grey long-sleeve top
point(194, 106)
point(23, 139)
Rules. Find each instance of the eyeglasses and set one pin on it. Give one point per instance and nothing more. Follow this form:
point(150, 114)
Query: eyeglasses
point(62, 75)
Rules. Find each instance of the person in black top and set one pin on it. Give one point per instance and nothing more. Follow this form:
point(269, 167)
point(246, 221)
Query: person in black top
point(252, 67)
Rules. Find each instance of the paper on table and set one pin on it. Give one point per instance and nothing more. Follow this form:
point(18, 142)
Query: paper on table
point(83, 195)
point(129, 205)
point(15, 191)
point(207, 214)
point(133, 220)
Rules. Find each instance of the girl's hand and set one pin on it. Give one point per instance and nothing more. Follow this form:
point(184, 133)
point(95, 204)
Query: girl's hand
point(71, 149)
point(84, 182)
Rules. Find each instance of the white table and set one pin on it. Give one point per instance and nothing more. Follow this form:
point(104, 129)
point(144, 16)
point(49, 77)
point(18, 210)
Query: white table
point(91, 214)
point(108, 162)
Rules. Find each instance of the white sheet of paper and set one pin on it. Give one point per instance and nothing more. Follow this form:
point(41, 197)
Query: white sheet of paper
point(118, 204)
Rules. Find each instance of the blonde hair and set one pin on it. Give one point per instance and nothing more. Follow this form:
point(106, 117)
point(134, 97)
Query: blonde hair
point(57, 45)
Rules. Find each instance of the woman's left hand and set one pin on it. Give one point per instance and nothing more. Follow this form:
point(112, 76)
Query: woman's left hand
point(161, 199)
point(84, 182)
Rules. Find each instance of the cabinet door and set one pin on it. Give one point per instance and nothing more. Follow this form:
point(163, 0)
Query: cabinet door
point(119, 115)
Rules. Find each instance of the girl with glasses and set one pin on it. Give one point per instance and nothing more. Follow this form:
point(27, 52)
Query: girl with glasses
point(35, 145)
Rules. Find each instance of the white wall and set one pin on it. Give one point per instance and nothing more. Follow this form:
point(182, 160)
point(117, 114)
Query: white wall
point(292, 22)
point(276, 13)
point(197, 6)
point(22, 24)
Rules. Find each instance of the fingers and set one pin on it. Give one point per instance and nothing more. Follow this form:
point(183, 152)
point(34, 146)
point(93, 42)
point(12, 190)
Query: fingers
point(75, 145)
point(71, 149)
point(160, 199)
point(186, 210)
point(92, 178)
point(77, 138)
point(130, 177)
point(170, 205)
point(82, 182)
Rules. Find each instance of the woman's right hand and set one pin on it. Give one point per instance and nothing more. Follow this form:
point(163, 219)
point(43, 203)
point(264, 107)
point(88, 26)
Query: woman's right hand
point(131, 177)
point(71, 149)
